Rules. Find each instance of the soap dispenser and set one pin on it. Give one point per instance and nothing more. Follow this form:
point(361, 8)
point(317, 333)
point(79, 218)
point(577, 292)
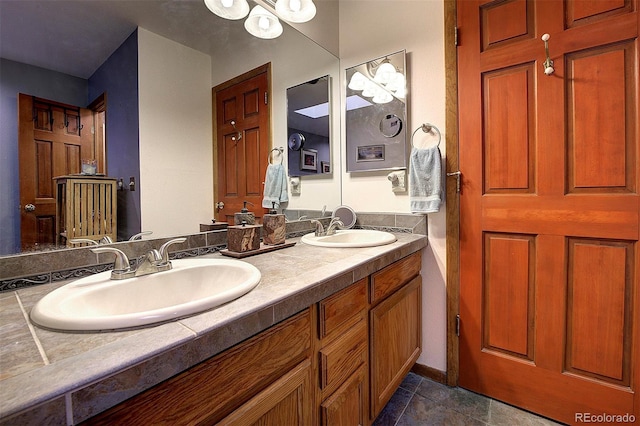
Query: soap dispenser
point(244, 215)
point(273, 227)
point(243, 238)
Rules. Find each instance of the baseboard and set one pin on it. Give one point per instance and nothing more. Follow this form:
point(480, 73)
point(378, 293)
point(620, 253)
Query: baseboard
point(430, 373)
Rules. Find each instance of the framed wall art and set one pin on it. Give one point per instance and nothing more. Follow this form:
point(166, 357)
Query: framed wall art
point(309, 159)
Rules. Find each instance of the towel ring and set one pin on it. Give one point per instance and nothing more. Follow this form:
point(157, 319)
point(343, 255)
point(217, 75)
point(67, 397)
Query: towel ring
point(280, 150)
point(427, 128)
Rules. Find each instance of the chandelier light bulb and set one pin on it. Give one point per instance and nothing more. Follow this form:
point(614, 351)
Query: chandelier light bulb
point(385, 73)
point(263, 24)
point(357, 81)
point(382, 97)
point(397, 82)
point(297, 11)
point(369, 89)
point(228, 9)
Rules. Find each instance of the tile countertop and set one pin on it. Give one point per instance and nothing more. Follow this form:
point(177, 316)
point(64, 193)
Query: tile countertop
point(49, 377)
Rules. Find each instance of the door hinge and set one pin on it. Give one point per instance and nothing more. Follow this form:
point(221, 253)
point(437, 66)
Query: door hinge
point(458, 325)
point(266, 98)
point(455, 36)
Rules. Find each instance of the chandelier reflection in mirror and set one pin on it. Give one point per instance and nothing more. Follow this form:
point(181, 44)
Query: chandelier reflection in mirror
point(376, 114)
point(382, 82)
point(262, 23)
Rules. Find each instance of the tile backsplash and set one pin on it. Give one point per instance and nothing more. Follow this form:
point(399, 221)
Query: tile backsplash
point(41, 268)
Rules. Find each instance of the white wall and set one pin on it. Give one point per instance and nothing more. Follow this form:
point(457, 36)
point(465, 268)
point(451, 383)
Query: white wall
point(176, 173)
point(371, 29)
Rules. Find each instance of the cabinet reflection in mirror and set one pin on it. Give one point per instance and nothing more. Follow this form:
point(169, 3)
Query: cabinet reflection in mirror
point(308, 115)
point(375, 120)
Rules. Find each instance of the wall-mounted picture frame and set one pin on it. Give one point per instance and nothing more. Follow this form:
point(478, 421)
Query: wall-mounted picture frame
point(309, 159)
point(325, 166)
point(370, 153)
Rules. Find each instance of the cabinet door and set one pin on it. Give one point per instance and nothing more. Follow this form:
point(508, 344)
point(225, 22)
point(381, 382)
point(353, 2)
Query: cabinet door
point(346, 407)
point(395, 339)
point(288, 401)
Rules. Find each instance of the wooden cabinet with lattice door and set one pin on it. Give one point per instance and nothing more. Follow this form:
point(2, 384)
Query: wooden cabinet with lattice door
point(86, 208)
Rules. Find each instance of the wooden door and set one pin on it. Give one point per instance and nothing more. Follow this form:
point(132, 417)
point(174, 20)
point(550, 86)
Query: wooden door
point(549, 295)
point(243, 142)
point(53, 139)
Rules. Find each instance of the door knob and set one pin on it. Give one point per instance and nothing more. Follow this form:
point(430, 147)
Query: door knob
point(220, 205)
point(29, 207)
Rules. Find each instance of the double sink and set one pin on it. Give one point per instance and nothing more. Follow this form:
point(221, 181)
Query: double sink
point(98, 302)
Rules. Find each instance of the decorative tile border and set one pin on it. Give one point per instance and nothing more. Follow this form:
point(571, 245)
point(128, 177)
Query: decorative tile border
point(52, 266)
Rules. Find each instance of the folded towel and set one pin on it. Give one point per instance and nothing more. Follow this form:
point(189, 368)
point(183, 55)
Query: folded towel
point(425, 188)
point(275, 186)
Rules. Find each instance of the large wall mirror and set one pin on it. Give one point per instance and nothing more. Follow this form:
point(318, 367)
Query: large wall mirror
point(168, 32)
point(308, 128)
point(376, 115)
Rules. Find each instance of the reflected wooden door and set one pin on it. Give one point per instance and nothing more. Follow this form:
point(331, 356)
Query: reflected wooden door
point(53, 139)
point(242, 143)
point(549, 294)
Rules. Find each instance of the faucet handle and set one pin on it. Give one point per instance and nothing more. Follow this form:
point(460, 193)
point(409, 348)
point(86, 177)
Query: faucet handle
point(121, 264)
point(164, 249)
point(83, 241)
point(139, 235)
point(319, 228)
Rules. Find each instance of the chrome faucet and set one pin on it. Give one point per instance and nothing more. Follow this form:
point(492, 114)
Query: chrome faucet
point(104, 240)
point(154, 261)
point(335, 223)
point(139, 235)
point(319, 228)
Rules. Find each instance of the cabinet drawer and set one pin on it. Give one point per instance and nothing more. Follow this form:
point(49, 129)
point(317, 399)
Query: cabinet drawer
point(347, 406)
point(288, 401)
point(212, 389)
point(339, 312)
point(394, 276)
point(340, 358)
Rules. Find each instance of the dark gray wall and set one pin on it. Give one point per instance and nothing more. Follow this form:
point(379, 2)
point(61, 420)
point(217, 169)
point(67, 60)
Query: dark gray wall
point(118, 78)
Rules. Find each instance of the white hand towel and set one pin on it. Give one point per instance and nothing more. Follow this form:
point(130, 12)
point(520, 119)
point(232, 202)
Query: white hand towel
point(425, 186)
point(275, 186)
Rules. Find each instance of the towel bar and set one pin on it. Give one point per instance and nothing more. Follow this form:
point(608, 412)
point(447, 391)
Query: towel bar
point(280, 150)
point(427, 128)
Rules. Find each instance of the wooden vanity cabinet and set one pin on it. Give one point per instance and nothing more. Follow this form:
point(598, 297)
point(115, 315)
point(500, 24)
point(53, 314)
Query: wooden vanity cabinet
point(395, 331)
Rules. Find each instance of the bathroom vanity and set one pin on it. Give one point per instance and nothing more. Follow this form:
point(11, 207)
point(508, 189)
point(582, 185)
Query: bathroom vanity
point(325, 338)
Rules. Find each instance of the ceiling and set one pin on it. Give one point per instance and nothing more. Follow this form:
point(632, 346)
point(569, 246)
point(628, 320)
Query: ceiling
point(76, 36)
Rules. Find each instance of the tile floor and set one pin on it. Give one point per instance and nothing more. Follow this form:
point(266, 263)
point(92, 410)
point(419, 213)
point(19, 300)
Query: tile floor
point(421, 401)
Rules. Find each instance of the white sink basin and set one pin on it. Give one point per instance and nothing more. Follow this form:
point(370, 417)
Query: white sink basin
point(350, 238)
point(98, 303)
